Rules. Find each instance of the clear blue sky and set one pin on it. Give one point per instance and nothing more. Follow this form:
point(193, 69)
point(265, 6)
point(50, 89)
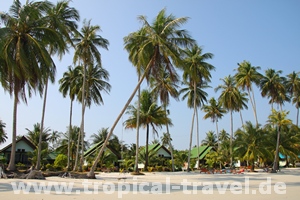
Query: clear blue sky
point(266, 33)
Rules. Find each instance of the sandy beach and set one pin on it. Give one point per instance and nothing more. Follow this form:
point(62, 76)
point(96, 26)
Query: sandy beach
point(160, 185)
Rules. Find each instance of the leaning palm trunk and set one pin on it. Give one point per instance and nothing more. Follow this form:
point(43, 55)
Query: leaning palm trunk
point(91, 174)
point(252, 100)
point(38, 164)
point(137, 130)
point(297, 118)
point(11, 165)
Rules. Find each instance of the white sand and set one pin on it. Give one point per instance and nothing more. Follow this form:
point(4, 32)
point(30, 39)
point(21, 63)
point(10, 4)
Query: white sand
point(178, 185)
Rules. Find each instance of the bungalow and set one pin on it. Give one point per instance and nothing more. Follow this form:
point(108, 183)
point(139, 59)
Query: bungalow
point(23, 146)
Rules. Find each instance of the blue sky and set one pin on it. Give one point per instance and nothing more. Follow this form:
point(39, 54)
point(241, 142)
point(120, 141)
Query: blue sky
point(266, 33)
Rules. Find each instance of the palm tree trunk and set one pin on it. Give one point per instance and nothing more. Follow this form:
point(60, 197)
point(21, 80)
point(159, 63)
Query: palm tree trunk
point(242, 118)
point(147, 149)
point(218, 134)
point(252, 100)
point(82, 117)
point(197, 124)
point(275, 165)
point(137, 129)
point(297, 118)
point(69, 136)
point(170, 144)
point(77, 152)
point(91, 173)
point(11, 165)
point(191, 140)
point(38, 164)
point(231, 136)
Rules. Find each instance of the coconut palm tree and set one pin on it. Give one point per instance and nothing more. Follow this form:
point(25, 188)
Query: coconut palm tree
point(211, 140)
point(229, 99)
point(164, 87)
point(245, 77)
point(63, 19)
point(214, 111)
point(196, 71)
point(86, 54)
point(160, 45)
point(250, 143)
point(280, 121)
point(3, 136)
point(292, 85)
point(69, 86)
point(272, 86)
point(25, 38)
point(68, 144)
point(151, 115)
point(242, 104)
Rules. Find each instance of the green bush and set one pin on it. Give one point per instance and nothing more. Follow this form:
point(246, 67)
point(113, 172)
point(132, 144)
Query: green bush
point(60, 161)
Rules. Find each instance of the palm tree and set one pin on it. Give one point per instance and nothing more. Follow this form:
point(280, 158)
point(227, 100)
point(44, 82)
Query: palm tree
point(196, 72)
point(62, 19)
point(278, 119)
point(229, 98)
point(3, 136)
point(214, 111)
point(250, 143)
point(160, 44)
point(68, 144)
point(164, 87)
point(292, 85)
point(150, 115)
point(242, 104)
point(211, 140)
point(245, 76)
point(272, 86)
point(86, 53)
point(69, 86)
point(26, 37)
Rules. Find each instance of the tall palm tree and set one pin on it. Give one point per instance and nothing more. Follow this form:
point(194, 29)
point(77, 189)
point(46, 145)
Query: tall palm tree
point(242, 104)
point(279, 120)
point(69, 86)
point(250, 143)
point(25, 38)
point(196, 71)
point(3, 136)
point(160, 44)
point(151, 115)
point(229, 98)
point(292, 85)
point(272, 86)
point(214, 111)
point(86, 53)
point(245, 76)
point(63, 19)
point(164, 87)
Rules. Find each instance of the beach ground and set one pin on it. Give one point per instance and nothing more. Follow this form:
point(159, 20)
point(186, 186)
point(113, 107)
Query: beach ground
point(160, 185)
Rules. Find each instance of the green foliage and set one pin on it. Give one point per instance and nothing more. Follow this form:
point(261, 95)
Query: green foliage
point(61, 161)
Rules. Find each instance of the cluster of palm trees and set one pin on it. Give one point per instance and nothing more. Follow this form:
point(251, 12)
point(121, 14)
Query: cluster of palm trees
point(36, 31)
point(32, 34)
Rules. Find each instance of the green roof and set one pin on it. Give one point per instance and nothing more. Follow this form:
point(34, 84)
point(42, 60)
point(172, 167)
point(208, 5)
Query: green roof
point(203, 150)
point(93, 148)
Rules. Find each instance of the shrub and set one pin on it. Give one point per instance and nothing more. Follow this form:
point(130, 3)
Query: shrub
point(60, 161)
